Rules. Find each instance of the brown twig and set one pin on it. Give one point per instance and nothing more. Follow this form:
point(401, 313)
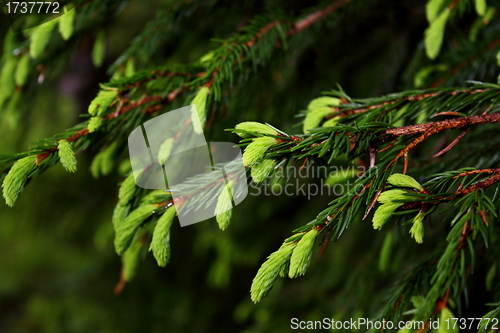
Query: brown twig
point(477, 171)
point(417, 97)
point(460, 191)
point(451, 145)
point(480, 185)
point(314, 17)
point(456, 123)
point(121, 110)
point(262, 32)
point(429, 129)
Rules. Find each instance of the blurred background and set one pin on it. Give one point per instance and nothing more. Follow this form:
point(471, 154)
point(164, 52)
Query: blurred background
point(58, 267)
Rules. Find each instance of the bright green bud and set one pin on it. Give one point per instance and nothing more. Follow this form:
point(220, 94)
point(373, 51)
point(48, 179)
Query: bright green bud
point(285, 270)
point(125, 167)
point(447, 316)
point(323, 102)
point(160, 244)
point(94, 124)
point(40, 38)
point(255, 151)
point(398, 179)
point(165, 150)
point(102, 164)
point(417, 229)
point(127, 190)
point(433, 8)
point(102, 101)
point(66, 23)
point(130, 67)
point(151, 196)
point(419, 81)
point(319, 108)
point(490, 277)
point(314, 117)
point(130, 258)
point(301, 256)
point(417, 301)
point(331, 122)
point(433, 38)
point(7, 77)
point(480, 7)
point(385, 252)
point(383, 213)
point(120, 213)
point(255, 127)
point(66, 155)
point(9, 43)
point(15, 180)
point(268, 272)
point(223, 210)
point(199, 113)
point(11, 111)
point(207, 58)
point(392, 196)
point(99, 49)
point(22, 70)
point(126, 229)
point(262, 170)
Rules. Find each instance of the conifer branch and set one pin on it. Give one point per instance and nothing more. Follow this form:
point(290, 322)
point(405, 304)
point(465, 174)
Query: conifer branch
point(429, 155)
point(436, 127)
point(154, 103)
point(316, 16)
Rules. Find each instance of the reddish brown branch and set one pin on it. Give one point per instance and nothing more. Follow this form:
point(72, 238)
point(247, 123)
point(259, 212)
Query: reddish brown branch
point(314, 17)
point(417, 97)
point(429, 129)
point(480, 185)
point(78, 134)
point(165, 73)
point(412, 145)
point(121, 110)
point(465, 232)
point(451, 145)
point(457, 123)
point(478, 171)
point(460, 191)
point(262, 32)
point(457, 69)
point(297, 27)
point(121, 283)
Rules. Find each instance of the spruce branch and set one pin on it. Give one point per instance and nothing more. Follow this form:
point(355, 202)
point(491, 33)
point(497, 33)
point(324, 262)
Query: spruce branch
point(438, 130)
point(268, 33)
point(438, 126)
point(353, 135)
point(316, 16)
point(155, 103)
point(471, 57)
point(158, 32)
point(219, 64)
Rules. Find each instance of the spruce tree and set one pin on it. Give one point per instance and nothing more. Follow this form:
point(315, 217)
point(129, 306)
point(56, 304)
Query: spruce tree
point(400, 99)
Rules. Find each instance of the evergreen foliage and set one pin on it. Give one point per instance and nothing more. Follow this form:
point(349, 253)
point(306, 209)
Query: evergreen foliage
point(424, 132)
